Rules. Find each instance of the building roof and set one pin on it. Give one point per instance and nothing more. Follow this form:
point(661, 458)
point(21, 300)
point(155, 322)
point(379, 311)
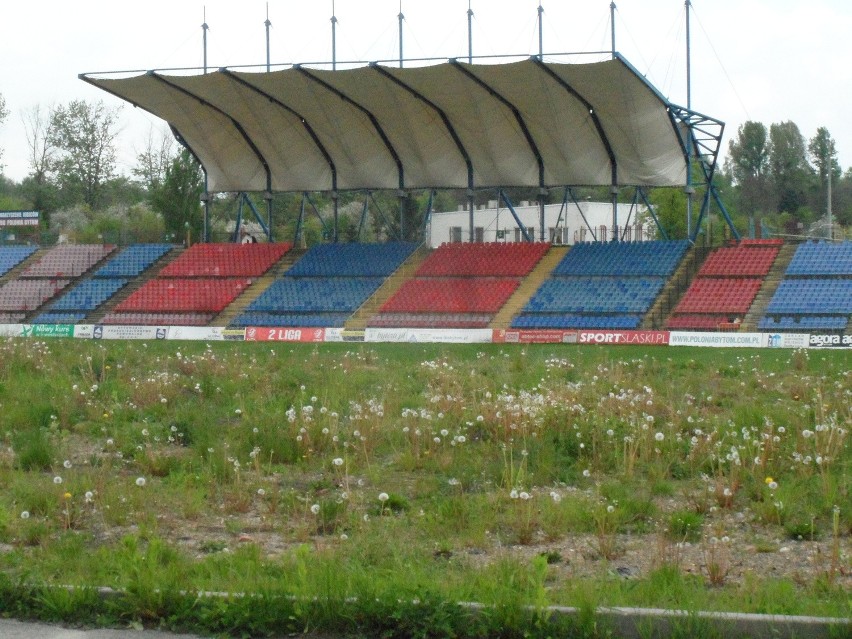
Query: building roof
point(451, 125)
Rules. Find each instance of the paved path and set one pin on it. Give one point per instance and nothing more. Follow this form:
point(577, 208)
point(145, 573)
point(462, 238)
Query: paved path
point(18, 630)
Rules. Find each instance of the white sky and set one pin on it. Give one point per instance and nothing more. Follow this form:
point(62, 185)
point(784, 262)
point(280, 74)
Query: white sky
point(763, 60)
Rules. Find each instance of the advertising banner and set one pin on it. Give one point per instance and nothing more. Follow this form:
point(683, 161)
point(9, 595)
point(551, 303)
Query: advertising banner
point(648, 338)
point(11, 330)
point(108, 331)
point(47, 330)
point(788, 340)
point(19, 218)
point(280, 334)
point(429, 335)
point(84, 331)
point(830, 341)
point(199, 333)
point(533, 336)
point(719, 340)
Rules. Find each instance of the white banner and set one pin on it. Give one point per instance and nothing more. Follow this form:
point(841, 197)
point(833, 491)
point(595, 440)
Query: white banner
point(84, 331)
point(199, 333)
point(429, 335)
point(723, 340)
point(788, 340)
point(108, 331)
point(11, 330)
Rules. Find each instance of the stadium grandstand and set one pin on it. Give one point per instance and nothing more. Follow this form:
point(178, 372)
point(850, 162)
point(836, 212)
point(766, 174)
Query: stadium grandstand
point(545, 123)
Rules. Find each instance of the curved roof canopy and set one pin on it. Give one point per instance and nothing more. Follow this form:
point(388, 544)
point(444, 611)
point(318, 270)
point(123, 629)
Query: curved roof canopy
point(451, 125)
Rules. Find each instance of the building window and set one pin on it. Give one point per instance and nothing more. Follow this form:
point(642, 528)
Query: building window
point(455, 234)
point(479, 234)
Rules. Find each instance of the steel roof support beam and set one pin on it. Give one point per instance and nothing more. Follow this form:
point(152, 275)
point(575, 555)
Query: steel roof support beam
point(308, 128)
point(373, 120)
point(524, 129)
point(450, 129)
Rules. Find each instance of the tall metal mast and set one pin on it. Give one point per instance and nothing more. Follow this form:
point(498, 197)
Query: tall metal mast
point(469, 33)
point(540, 32)
point(267, 24)
point(401, 18)
point(333, 38)
point(689, 189)
point(612, 25)
point(204, 29)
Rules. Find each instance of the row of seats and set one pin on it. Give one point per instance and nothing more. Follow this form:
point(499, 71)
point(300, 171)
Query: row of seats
point(812, 296)
point(314, 294)
point(595, 294)
point(28, 295)
point(617, 321)
point(804, 323)
point(701, 321)
point(158, 319)
point(725, 286)
point(68, 260)
point(451, 295)
point(739, 261)
point(352, 260)
point(59, 318)
point(226, 260)
point(11, 256)
point(719, 295)
point(821, 258)
point(305, 320)
point(133, 260)
point(658, 258)
point(430, 320)
point(202, 295)
point(88, 295)
point(489, 259)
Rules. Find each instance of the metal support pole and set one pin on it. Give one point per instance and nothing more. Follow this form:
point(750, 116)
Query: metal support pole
point(401, 18)
point(470, 205)
point(268, 197)
point(469, 33)
point(828, 198)
point(690, 191)
point(267, 24)
point(542, 193)
point(204, 29)
point(612, 25)
point(540, 32)
point(333, 38)
point(401, 195)
point(614, 192)
point(335, 198)
point(205, 231)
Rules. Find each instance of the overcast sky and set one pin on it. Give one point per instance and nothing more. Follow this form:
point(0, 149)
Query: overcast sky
point(763, 60)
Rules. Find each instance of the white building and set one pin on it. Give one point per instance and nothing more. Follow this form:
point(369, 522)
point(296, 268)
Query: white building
point(576, 222)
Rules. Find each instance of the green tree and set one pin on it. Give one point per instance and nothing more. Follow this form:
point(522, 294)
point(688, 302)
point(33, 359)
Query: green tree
point(178, 198)
point(42, 158)
point(748, 166)
point(84, 134)
point(3, 113)
point(823, 153)
point(788, 162)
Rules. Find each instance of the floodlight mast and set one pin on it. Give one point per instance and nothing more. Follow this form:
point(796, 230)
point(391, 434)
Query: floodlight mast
point(612, 25)
point(333, 38)
point(469, 33)
point(267, 24)
point(206, 230)
point(401, 18)
point(689, 188)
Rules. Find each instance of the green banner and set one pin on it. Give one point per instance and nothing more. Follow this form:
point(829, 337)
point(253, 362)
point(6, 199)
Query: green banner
point(48, 330)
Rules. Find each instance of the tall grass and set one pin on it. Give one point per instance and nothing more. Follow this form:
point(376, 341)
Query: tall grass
point(419, 472)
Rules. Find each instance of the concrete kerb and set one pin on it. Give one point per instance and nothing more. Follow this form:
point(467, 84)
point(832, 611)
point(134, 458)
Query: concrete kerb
point(647, 623)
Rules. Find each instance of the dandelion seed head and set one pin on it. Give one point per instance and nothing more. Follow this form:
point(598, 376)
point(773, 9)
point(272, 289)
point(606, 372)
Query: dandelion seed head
point(140, 481)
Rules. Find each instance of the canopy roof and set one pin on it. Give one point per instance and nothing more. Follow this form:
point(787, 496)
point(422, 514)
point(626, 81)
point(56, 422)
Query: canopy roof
point(452, 125)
